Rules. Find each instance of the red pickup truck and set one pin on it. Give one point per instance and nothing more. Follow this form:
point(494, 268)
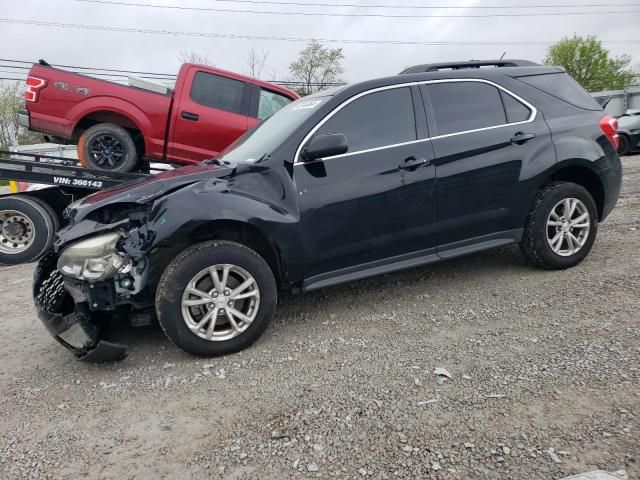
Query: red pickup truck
point(116, 125)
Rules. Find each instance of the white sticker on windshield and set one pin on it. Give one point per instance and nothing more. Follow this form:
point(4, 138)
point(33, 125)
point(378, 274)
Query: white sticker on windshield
point(307, 104)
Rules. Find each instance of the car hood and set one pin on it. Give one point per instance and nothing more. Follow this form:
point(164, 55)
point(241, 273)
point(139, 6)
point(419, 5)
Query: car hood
point(145, 190)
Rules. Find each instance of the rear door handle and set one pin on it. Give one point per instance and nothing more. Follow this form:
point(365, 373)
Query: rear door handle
point(190, 116)
point(521, 137)
point(412, 163)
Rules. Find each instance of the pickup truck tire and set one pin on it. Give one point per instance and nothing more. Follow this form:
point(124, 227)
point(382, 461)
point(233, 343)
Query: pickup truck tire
point(27, 229)
point(107, 147)
point(561, 227)
point(211, 317)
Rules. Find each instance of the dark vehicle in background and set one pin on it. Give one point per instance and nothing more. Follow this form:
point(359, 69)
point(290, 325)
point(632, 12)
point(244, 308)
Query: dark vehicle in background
point(116, 125)
point(361, 180)
point(629, 132)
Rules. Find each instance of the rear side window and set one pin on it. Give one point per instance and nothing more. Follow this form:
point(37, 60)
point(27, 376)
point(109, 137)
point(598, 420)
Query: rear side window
point(463, 106)
point(270, 102)
point(563, 87)
point(516, 111)
point(218, 92)
point(375, 120)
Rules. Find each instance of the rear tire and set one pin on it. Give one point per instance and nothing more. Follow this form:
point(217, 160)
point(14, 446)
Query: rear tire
point(240, 315)
point(623, 144)
point(107, 147)
point(554, 238)
point(27, 229)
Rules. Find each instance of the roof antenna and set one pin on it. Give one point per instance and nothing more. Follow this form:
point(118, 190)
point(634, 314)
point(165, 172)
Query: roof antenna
point(502, 56)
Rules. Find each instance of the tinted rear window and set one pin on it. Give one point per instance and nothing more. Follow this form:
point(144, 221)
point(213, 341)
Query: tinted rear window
point(563, 87)
point(464, 106)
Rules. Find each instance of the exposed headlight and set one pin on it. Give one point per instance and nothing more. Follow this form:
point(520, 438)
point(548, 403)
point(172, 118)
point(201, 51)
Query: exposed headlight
point(94, 259)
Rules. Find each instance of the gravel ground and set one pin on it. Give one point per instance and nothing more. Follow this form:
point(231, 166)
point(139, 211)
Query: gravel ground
point(545, 380)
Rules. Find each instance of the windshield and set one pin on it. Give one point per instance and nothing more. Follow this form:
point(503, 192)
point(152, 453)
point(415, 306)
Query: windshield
point(265, 137)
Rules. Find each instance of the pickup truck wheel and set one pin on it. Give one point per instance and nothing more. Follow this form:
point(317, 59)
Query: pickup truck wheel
point(561, 227)
point(26, 230)
point(216, 298)
point(107, 147)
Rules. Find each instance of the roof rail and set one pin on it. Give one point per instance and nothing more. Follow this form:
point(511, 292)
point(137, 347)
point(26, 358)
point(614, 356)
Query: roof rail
point(434, 67)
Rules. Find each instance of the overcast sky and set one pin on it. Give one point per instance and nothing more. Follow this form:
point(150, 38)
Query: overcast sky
point(158, 53)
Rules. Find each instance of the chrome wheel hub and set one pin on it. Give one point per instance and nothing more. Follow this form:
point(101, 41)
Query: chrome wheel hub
point(568, 227)
point(16, 232)
point(220, 302)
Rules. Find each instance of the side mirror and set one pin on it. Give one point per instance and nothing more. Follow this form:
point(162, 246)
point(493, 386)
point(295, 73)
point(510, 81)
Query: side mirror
point(327, 145)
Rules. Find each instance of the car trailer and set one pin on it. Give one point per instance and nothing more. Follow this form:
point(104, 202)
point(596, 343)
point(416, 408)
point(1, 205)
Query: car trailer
point(29, 220)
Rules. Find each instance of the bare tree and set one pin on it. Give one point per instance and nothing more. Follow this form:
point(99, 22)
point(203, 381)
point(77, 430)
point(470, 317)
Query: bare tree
point(317, 66)
point(256, 62)
point(11, 134)
point(189, 56)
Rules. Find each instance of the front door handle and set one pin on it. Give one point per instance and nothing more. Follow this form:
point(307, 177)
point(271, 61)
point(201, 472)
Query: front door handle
point(412, 163)
point(521, 138)
point(190, 116)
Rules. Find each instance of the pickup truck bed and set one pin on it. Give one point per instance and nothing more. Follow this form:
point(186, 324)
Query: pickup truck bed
point(116, 126)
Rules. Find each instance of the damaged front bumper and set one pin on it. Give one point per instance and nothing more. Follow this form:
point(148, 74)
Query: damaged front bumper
point(72, 324)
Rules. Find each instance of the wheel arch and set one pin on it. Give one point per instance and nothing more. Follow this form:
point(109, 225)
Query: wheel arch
point(584, 175)
point(97, 117)
point(248, 235)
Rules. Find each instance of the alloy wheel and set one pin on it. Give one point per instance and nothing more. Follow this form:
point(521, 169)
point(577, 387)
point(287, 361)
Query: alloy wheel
point(568, 227)
point(220, 302)
point(16, 232)
point(107, 151)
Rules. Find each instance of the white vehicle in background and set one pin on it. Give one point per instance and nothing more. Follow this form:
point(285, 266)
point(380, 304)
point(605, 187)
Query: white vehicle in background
point(43, 179)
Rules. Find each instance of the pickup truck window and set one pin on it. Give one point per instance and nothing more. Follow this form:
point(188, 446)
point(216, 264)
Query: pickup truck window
point(270, 103)
point(267, 136)
point(218, 92)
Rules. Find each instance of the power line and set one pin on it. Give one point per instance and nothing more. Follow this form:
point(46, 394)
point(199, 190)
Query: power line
point(335, 14)
point(86, 68)
point(99, 74)
point(360, 5)
point(292, 83)
point(261, 37)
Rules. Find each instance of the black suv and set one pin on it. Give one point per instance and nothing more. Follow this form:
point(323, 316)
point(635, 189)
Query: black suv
point(361, 180)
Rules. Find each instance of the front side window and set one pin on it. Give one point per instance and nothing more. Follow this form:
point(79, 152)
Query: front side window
point(375, 120)
point(218, 92)
point(270, 103)
point(463, 106)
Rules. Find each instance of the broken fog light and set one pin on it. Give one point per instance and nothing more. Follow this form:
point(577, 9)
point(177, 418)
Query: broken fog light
point(94, 259)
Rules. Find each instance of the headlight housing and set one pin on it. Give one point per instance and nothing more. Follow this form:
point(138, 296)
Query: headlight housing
point(93, 259)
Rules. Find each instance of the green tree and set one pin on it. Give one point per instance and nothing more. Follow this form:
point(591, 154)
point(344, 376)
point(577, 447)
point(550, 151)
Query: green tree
point(11, 134)
point(586, 60)
point(317, 66)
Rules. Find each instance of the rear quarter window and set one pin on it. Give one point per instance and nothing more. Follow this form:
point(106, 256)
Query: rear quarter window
point(562, 87)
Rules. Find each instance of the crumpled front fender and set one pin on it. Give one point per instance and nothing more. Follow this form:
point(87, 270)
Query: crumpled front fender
point(71, 328)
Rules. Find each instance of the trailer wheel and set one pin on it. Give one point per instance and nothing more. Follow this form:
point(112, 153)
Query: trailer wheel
point(107, 147)
point(26, 229)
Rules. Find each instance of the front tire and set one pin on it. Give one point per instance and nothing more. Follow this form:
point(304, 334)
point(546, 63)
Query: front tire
point(216, 298)
point(561, 227)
